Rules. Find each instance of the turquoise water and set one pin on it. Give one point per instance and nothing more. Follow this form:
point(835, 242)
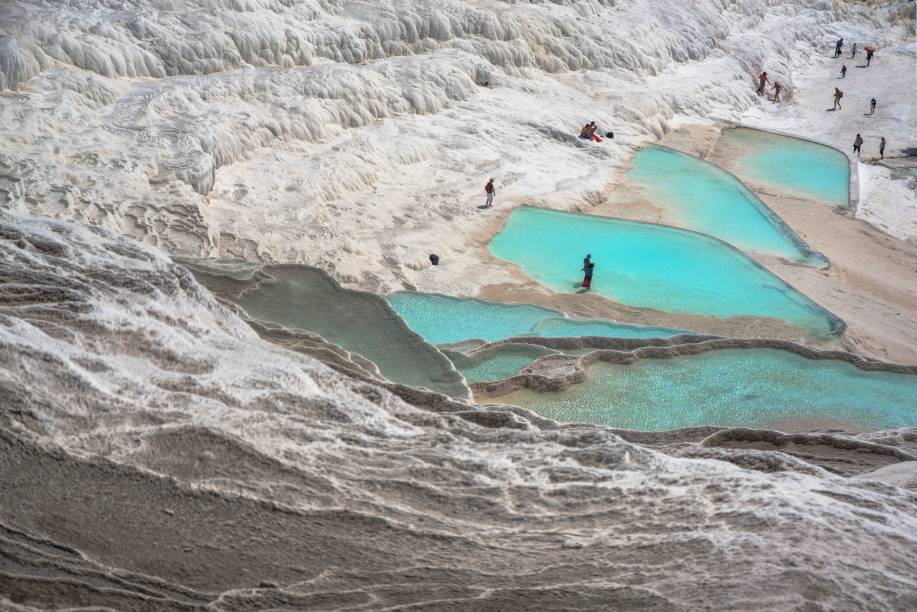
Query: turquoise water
point(499, 367)
point(559, 327)
point(789, 164)
point(740, 388)
point(652, 266)
point(498, 363)
point(707, 199)
point(442, 319)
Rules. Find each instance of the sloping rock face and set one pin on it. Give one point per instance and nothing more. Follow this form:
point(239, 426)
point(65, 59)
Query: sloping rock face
point(154, 452)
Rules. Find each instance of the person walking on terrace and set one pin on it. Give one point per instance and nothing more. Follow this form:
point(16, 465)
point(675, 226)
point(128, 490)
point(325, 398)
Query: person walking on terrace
point(853, 53)
point(882, 148)
point(837, 47)
point(838, 94)
point(777, 89)
point(872, 106)
point(857, 144)
point(490, 192)
point(844, 71)
point(869, 53)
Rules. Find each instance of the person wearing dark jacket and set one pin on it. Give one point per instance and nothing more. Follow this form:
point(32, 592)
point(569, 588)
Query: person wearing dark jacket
point(857, 143)
point(588, 268)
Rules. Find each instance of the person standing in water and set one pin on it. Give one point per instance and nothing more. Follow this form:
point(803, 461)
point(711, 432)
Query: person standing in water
point(857, 143)
point(882, 148)
point(872, 106)
point(838, 94)
point(844, 71)
point(777, 89)
point(762, 82)
point(588, 268)
point(491, 192)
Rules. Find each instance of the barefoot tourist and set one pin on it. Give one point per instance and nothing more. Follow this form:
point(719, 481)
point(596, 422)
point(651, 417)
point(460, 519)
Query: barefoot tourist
point(490, 193)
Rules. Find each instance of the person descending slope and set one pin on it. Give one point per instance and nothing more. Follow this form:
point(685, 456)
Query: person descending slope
point(857, 143)
point(588, 268)
point(838, 94)
point(491, 192)
point(777, 89)
point(762, 83)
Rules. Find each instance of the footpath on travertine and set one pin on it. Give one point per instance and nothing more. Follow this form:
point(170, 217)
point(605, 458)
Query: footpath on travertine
point(891, 78)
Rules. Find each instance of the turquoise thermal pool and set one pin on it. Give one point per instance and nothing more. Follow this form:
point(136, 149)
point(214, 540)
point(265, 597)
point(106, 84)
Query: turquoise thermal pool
point(441, 319)
point(707, 199)
point(652, 266)
point(764, 388)
point(497, 363)
point(788, 164)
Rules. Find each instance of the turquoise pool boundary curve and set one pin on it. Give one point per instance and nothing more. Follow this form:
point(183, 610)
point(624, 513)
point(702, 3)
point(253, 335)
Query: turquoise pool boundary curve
point(779, 224)
point(445, 319)
point(650, 273)
point(633, 352)
point(853, 187)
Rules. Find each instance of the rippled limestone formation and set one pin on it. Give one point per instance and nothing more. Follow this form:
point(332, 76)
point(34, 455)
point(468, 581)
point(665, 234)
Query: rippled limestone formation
point(285, 130)
point(154, 451)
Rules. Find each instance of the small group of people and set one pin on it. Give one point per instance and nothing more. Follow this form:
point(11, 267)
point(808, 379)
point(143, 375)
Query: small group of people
point(839, 46)
point(588, 131)
point(858, 145)
point(763, 80)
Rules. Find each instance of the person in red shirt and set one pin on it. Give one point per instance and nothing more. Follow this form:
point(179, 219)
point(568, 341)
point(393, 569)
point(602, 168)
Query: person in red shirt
point(491, 192)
